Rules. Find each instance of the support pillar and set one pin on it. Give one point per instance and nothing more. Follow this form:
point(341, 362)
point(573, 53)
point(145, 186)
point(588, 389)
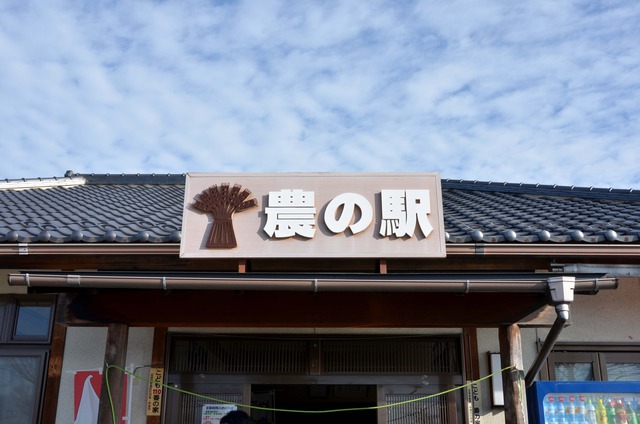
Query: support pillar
point(515, 399)
point(157, 361)
point(115, 354)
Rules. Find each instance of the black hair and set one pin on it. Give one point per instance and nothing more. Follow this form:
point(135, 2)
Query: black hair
point(236, 417)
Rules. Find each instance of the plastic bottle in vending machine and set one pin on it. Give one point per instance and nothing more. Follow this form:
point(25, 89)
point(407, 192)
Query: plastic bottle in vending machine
point(611, 411)
point(621, 412)
point(581, 410)
point(570, 409)
point(591, 413)
point(561, 416)
point(549, 410)
point(632, 418)
point(601, 413)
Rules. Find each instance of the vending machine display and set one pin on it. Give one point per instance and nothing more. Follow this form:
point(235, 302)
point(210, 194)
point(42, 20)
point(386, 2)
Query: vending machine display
point(598, 402)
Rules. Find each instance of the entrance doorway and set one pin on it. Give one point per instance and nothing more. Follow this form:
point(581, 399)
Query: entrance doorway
point(354, 399)
point(376, 379)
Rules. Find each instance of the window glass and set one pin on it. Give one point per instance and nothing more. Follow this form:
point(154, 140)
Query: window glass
point(623, 371)
point(19, 383)
point(33, 320)
point(574, 371)
point(3, 308)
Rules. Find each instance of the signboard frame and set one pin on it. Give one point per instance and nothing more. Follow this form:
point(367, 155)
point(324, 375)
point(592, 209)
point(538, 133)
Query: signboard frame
point(249, 224)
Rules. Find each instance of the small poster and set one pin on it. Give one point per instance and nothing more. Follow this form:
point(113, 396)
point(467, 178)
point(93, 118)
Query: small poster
point(211, 414)
point(86, 399)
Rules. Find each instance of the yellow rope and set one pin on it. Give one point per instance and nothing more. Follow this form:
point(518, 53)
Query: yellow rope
point(324, 411)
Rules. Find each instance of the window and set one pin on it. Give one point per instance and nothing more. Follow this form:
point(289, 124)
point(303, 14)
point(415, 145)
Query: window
point(33, 321)
point(595, 362)
point(25, 336)
point(21, 383)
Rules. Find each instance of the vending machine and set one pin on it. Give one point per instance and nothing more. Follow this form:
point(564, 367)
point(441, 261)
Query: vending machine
point(584, 402)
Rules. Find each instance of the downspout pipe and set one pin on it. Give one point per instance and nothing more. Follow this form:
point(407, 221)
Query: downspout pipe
point(561, 290)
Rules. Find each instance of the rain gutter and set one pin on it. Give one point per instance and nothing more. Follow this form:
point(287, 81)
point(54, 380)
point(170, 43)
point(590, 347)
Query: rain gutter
point(511, 249)
point(452, 249)
point(561, 289)
point(311, 283)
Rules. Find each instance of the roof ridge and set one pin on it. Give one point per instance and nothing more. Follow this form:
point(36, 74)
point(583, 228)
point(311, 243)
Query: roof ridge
point(24, 183)
point(542, 189)
point(124, 178)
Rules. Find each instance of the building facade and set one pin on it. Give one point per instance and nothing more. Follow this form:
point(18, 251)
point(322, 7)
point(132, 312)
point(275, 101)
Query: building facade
point(371, 298)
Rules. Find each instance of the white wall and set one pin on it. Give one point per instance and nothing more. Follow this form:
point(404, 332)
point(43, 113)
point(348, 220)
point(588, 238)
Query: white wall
point(84, 350)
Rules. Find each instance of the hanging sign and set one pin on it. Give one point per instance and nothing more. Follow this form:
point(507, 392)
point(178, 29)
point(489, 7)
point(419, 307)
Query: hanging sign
point(307, 215)
point(154, 395)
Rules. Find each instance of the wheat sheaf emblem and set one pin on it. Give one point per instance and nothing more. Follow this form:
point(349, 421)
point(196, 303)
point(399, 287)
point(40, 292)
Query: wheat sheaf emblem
point(222, 202)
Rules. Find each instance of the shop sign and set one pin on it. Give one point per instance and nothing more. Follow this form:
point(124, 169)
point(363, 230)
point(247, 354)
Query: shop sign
point(312, 215)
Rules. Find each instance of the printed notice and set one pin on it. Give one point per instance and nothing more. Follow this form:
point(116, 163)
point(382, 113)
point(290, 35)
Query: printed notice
point(211, 414)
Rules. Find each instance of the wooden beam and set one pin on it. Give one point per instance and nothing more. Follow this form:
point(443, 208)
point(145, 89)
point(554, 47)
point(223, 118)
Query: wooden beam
point(115, 354)
point(515, 400)
point(259, 309)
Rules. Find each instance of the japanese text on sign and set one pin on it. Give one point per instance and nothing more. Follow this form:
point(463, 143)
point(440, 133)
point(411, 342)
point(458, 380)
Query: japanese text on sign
point(154, 397)
point(292, 212)
point(211, 414)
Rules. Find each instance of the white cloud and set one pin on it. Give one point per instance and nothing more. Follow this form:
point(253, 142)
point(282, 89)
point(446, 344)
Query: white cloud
point(534, 91)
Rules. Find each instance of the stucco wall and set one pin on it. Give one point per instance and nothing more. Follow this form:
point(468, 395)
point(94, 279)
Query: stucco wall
point(5, 288)
point(84, 350)
point(609, 316)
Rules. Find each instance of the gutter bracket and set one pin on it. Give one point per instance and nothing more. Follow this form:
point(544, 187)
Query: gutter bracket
point(73, 280)
point(23, 249)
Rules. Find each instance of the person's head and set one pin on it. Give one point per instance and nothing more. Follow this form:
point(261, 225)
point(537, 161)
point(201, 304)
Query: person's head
point(236, 417)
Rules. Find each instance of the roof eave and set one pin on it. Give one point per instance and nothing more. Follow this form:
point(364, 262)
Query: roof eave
point(452, 249)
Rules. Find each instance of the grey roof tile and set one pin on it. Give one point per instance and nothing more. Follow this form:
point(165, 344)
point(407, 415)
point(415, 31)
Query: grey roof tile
point(148, 208)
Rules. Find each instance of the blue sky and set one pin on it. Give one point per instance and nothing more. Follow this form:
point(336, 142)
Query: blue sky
point(533, 91)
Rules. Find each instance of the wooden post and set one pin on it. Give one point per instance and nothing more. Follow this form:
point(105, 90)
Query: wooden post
point(382, 266)
point(115, 354)
point(515, 399)
point(470, 342)
point(242, 266)
point(50, 404)
point(157, 361)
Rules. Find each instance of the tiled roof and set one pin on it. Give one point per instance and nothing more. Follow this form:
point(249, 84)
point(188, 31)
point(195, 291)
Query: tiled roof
point(130, 208)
